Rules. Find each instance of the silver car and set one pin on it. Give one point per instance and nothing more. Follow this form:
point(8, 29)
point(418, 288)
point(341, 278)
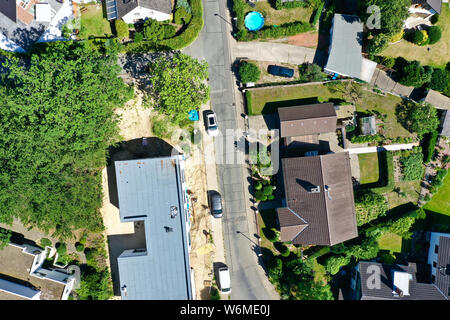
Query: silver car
point(211, 124)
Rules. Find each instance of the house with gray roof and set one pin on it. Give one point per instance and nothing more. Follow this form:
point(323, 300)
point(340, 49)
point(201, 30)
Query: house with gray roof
point(445, 124)
point(132, 11)
point(438, 100)
point(153, 191)
point(377, 281)
point(439, 260)
point(430, 7)
point(318, 208)
point(345, 51)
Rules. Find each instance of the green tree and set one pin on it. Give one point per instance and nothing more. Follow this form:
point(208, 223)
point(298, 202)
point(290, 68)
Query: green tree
point(419, 118)
point(440, 80)
point(414, 74)
point(249, 72)
point(57, 119)
point(95, 285)
point(334, 263)
point(434, 34)
point(138, 37)
point(420, 37)
point(310, 72)
point(178, 85)
point(122, 31)
point(369, 206)
point(5, 238)
point(153, 31)
point(392, 14)
point(402, 227)
point(377, 44)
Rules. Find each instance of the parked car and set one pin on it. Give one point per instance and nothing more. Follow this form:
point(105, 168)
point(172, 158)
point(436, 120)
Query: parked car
point(215, 204)
point(224, 280)
point(280, 71)
point(211, 124)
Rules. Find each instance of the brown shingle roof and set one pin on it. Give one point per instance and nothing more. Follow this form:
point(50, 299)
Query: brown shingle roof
point(308, 119)
point(327, 221)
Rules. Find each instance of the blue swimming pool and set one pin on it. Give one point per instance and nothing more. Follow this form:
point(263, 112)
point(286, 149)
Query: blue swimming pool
point(254, 21)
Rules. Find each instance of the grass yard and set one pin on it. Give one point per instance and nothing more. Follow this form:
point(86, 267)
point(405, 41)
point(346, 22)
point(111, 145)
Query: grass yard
point(390, 242)
point(93, 23)
point(438, 55)
point(410, 188)
point(265, 101)
point(277, 17)
point(440, 202)
point(368, 166)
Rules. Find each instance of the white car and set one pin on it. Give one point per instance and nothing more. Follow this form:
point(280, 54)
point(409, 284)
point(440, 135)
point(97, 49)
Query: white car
point(224, 280)
point(211, 124)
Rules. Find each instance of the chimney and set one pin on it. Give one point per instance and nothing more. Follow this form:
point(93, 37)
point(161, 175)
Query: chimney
point(315, 189)
point(399, 292)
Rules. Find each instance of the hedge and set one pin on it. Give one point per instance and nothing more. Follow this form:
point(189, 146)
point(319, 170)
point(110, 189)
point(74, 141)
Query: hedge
point(279, 5)
point(318, 14)
point(183, 40)
point(434, 34)
point(319, 253)
point(239, 7)
point(287, 29)
point(429, 145)
point(363, 139)
point(248, 98)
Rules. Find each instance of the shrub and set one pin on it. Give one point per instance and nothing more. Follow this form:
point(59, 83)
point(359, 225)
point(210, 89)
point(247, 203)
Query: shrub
point(434, 34)
point(420, 37)
point(168, 31)
point(79, 247)
point(402, 226)
point(5, 238)
point(83, 239)
point(412, 167)
point(61, 248)
point(275, 268)
point(268, 190)
point(434, 19)
point(249, 72)
point(272, 234)
point(310, 72)
point(91, 256)
point(122, 31)
point(248, 100)
point(398, 36)
point(377, 44)
point(215, 295)
point(364, 139)
point(369, 206)
point(334, 263)
point(138, 37)
point(260, 196)
point(440, 80)
point(318, 13)
point(414, 74)
point(430, 144)
point(181, 16)
point(160, 128)
point(46, 242)
point(258, 185)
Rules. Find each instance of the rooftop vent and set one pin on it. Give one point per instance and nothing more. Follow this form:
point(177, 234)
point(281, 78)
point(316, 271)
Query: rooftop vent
point(315, 189)
point(124, 290)
point(327, 190)
point(173, 212)
point(168, 229)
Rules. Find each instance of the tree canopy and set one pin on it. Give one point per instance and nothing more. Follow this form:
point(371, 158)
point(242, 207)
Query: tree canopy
point(392, 14)
point(419, 118)
point(369, 206)
point(56, 122)
point(178, 85)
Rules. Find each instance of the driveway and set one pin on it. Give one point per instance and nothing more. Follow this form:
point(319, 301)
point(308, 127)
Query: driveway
point(247, 276)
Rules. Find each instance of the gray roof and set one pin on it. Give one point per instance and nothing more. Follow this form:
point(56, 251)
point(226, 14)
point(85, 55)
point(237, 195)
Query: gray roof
point(322, 218)
point(345, 56)
point(417, 290)
point(442, 280)
point(445, 124)
point(368, 125)
point(438, 100)
point(148, 190)
point(8, 8)
point(307, 119)
point(436, 5)
point(126, 6)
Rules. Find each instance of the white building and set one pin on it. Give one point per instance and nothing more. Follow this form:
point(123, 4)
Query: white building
point(132, 11)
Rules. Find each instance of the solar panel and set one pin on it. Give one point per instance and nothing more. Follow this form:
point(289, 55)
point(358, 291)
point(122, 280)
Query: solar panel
point(111, 9)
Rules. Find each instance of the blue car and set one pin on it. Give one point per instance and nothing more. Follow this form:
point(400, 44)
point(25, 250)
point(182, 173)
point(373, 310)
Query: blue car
point(280, 71)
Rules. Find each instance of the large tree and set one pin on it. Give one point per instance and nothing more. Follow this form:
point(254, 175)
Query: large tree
point(392, 14)
point(179, 85)
point(419, 118)
point(56, 122)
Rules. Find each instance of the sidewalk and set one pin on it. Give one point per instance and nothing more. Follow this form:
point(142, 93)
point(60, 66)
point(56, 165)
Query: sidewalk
point(391, 147)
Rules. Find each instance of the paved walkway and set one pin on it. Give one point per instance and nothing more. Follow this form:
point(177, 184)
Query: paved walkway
point(392, 147)
point(383, 81)
point(279, 52)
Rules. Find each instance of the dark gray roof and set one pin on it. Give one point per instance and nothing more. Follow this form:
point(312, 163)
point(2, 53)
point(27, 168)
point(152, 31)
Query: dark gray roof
point(8, 8)
point(148, 189)
point(438, 100)
point(417, 291)
point(307, 119)
point(126, 6)
point(320, 220)
point(345, 56)
point(442, 280)
point(445, 124)
point(436, 5)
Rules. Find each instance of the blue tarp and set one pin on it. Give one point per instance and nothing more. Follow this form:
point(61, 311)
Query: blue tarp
point(193, 115)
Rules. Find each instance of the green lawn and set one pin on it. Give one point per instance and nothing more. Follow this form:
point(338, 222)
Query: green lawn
point(440, 202)
point(277, 17)
point(439, 52)
point(410, 188)
point(93, 23)
point(390, 242)
point(368, 167)
point(265, 101)
point(266, 219)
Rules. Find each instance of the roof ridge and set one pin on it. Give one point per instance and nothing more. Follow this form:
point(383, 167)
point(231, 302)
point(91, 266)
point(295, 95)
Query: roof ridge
point(325, 198)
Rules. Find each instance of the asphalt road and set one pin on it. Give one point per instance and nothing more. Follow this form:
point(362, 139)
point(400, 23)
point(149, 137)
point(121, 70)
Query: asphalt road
point(247, 278)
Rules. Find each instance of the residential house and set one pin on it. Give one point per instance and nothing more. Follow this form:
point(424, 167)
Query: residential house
point(377, 281)
point(23, 277)
point(25, 22)
point(153, 191)
point(445, 124)
point(438, 100)
point(318, 208)
point(345, 51)
point(132, 11)
point(425, 8)
point(439, 259)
